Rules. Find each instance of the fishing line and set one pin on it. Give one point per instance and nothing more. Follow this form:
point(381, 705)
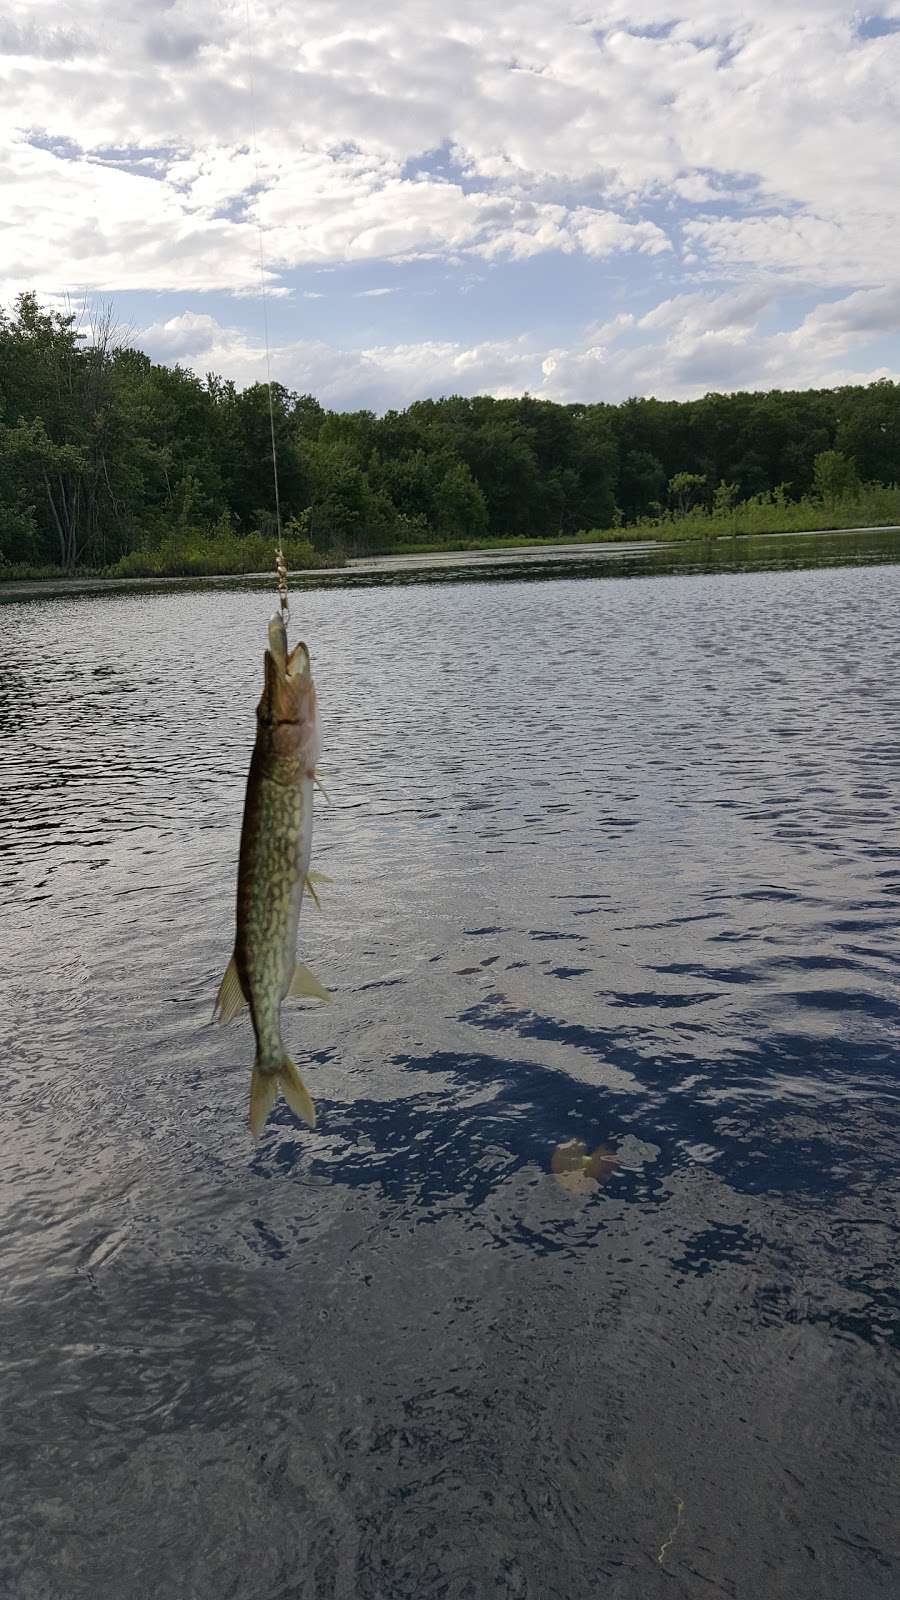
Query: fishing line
point(280, 566)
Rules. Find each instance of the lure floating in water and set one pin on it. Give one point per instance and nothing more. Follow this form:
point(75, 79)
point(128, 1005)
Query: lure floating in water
point(579, 1173)
point(273, 872)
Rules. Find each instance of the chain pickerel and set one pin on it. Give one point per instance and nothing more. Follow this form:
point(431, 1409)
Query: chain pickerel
point(273, 872)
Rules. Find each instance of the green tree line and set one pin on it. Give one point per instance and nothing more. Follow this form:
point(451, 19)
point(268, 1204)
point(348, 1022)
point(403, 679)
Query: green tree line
point(111, 460)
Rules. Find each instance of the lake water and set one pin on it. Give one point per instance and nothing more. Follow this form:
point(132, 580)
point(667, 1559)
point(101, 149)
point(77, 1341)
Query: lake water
point(616, 861)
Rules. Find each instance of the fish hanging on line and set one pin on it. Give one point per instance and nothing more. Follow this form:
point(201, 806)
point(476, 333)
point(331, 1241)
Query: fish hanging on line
point(273, 871)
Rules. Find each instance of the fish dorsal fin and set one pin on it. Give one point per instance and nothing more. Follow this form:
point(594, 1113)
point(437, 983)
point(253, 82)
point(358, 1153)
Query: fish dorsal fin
point(230, 999)
point(305, 986)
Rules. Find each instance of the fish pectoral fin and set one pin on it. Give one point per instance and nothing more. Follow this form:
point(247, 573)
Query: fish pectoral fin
point(320, 785)
point(230, 999)
point(305, 986)
point(310, 881)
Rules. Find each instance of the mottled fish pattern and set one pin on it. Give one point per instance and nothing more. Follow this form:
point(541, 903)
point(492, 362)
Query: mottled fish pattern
point(276, 838)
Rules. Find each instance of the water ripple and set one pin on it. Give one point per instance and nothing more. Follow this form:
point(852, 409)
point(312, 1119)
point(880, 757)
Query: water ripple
point(600, 1216)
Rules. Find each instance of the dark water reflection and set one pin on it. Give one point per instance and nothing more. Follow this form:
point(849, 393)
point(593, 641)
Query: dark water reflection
point(617, 869)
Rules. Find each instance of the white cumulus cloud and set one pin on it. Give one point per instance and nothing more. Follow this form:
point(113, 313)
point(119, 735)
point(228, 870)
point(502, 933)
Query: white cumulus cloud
point(740, 151)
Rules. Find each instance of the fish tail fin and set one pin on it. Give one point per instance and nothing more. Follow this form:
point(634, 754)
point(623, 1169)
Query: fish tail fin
point(263, 1091)
point(296, 1093)
point(264, 1087)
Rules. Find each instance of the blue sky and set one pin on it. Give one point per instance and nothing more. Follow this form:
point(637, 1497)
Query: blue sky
point(574, 200)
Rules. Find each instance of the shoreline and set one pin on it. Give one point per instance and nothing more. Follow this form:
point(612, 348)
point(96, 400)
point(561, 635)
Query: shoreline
point(384, 565)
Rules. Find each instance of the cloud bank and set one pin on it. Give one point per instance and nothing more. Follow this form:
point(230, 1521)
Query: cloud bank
point(746, 161)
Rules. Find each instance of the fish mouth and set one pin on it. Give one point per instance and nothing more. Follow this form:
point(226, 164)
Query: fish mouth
point(294, 664)
point(278, 640)
point(297, 665)
point(288, 689)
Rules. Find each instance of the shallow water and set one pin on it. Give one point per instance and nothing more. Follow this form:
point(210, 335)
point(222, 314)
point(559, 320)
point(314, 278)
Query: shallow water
point(616, 861)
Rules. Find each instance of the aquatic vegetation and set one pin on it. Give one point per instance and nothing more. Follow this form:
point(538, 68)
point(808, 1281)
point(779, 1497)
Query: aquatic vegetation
point(870, 506)
point(196, 554)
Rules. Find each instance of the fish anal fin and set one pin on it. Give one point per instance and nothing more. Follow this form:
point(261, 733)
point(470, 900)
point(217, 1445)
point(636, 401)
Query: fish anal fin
point(230, 1000)
point(306, 986)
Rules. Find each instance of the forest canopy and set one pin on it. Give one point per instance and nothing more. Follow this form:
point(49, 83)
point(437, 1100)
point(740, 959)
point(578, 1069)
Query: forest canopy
point(105, 454)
